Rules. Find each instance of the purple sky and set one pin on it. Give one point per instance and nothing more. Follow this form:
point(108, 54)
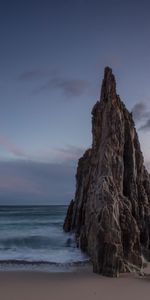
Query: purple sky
point(52, 56)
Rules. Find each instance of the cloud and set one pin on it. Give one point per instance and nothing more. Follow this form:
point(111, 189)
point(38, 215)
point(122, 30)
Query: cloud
point(67, 155)
point(70, 153)
point(146, 126)
point(23, 182)
point(139, 111)
point(10, 147)
point(70, 87)
point(147, 164)
point(33, 182)
point(33, 74)
point(17, 183)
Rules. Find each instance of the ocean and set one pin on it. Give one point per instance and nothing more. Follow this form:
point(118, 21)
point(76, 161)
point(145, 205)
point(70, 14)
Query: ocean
point(32, 238)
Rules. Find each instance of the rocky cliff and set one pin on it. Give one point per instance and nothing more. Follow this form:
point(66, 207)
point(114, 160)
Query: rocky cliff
point(110, 214)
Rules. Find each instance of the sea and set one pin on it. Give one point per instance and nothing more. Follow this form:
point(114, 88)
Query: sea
point(32, 238)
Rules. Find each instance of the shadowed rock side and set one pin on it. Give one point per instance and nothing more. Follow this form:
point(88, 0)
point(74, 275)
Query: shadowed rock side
point(110, 214)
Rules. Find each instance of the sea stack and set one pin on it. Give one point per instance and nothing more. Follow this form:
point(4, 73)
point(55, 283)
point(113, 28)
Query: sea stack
point(110, 214)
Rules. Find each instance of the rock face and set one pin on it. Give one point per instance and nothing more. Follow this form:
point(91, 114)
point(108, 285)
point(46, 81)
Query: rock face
point(110, 214)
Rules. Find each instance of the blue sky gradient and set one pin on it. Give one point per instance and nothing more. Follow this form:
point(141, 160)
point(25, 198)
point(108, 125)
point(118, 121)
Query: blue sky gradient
point(52, 56)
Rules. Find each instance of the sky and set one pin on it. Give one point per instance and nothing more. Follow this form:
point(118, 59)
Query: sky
point(52, 57)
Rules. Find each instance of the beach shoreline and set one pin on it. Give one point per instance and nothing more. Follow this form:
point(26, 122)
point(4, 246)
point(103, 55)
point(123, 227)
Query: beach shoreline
point(81, 284)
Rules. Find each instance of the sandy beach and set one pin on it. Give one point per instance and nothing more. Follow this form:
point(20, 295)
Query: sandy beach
point(72, 286)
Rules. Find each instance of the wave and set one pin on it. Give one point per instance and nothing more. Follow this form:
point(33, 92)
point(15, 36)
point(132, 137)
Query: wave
point(31, 223)
point(33, 236)
point(41, 266)
point(45, 211)
point(42, 262)
point(36, 242)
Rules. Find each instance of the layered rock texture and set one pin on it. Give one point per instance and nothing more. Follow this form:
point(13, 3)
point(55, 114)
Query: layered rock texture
point(110, 214)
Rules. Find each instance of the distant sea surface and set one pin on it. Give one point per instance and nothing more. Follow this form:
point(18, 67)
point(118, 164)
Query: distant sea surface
point(32, 238)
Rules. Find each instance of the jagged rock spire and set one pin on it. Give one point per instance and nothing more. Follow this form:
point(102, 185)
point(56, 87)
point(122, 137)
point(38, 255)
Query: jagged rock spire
point(110, 214)
point(108, 91)
point(108, 99)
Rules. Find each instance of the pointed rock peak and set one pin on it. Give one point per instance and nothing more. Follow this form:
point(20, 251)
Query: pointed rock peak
point(108, 91)
point(110, 214)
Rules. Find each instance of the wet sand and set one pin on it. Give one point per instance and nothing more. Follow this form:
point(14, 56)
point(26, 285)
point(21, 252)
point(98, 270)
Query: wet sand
point(83, 285)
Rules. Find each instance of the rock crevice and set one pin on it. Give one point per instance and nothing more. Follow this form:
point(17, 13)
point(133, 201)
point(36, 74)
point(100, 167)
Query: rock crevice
point(110, 214)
